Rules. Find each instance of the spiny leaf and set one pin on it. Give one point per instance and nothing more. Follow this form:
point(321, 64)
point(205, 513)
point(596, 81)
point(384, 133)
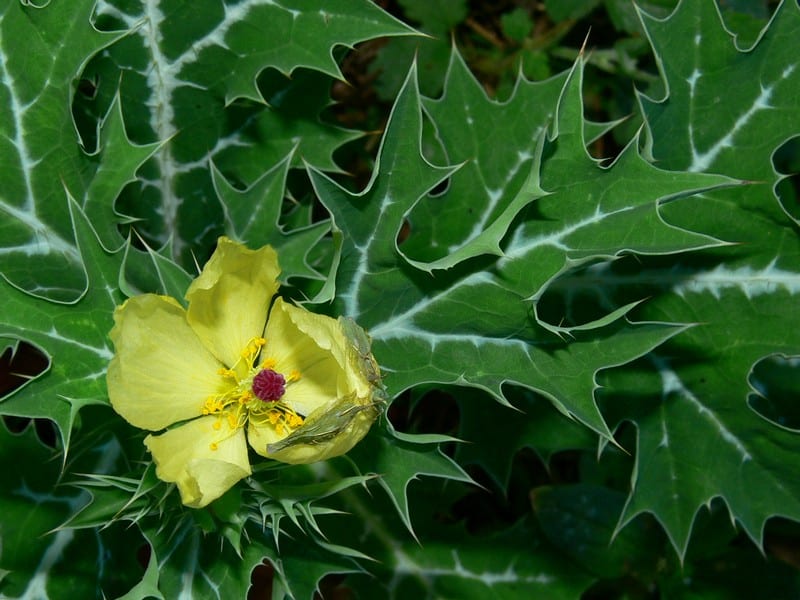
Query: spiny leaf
point(398, 459)
point(473, 324)
point(301, 566)
point(194, 565)
point(192, 77)
point(497, 148)
point(448, 561)
point(253, 214)
point(727, 111)
point(40, 559)
point(152, 271)
point(531, 423)
point(74, 337)
point(41, 52)
point(580, 520)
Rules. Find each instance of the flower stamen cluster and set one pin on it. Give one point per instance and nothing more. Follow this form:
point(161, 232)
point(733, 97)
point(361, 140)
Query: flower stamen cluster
point(209, 388)
point(247, 401)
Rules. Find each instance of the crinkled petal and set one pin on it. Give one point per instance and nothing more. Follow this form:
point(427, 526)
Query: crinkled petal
point(228, 302)
point(333, 390)
point(311, 344)
point(259, 437)
point(330, 431)
point(183, 455)
point(161, 373)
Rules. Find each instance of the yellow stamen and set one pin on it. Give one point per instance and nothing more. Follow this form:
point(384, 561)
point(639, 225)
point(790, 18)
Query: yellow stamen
point(239, 405)
point(212, 405)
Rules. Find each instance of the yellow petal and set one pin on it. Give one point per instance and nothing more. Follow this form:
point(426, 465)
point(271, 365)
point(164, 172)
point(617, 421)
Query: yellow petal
point(260, 437)
point(333, 390)
point(330, 431)
point(183, 455)
point(311, 344)
point(228, 302)
point(161, 373)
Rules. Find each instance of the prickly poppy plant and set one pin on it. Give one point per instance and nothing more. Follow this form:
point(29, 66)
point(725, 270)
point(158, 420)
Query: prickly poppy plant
point(209, 365)
point(536, 337)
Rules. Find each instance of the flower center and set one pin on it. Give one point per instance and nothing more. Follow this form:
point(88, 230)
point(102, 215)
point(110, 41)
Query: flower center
point(254, 397)
point(269, 385)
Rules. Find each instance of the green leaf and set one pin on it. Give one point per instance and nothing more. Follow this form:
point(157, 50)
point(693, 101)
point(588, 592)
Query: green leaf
point(301, 566)
point(624, 14)
point(74, 337)
point(517, 24)
point(194, 565)
point(41, 52)
point(437, 16)
point(448, 561)
point(40, 559)
point(775, 386)
point(473, 324)
point(580, 521)
point(189, 78)
point(152, 272)
point(497, 149)
point(649, 298)
point(253, 215)
point(431, 56)
point(194, 560)
point(118, 163)
point(398, 459)
point(697, 437)
point(286, 37)
point(148, 586)
point(492, 434)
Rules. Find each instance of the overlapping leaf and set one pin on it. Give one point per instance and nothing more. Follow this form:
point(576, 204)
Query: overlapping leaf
point(41, 51)
point(74, 336)
point(38, 560)
point(497, 148)
point(253, 215)
point(188, 566)
point(524, 262)
point(448, 561)
point(475, 324)
point(579, 520)
point(191, 76)
point(453, 564)
point(399, 459)
point(532, 423)
point(727, 111)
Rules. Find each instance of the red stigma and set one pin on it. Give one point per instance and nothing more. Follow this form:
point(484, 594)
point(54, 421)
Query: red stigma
point(268, 385)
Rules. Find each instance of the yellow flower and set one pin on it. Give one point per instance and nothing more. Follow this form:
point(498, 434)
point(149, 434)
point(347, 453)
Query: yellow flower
point(301, 389)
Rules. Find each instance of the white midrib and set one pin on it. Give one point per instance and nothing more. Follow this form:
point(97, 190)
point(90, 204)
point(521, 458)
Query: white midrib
point(161, 80)
point(518, 247)
point(45, 240)
point(702, 161)
point(672, 383)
